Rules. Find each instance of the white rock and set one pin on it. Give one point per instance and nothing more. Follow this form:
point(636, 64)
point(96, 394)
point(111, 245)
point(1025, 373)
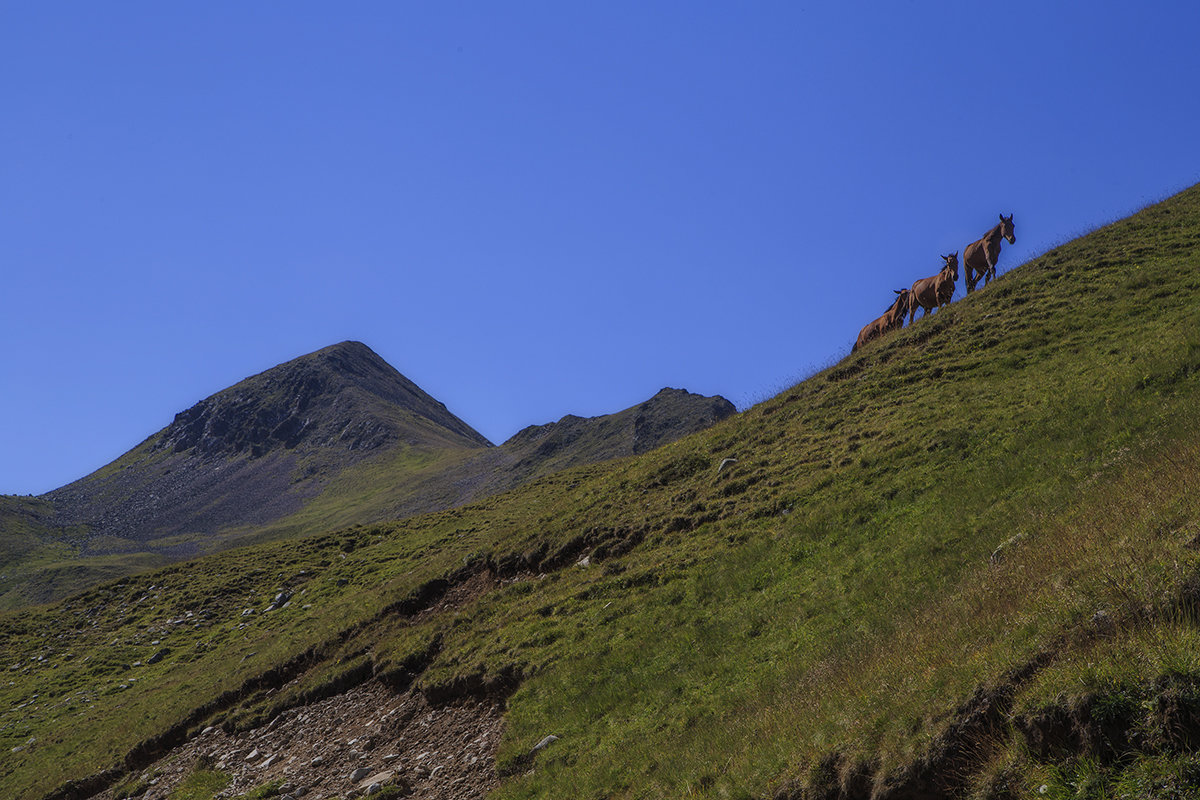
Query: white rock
point(377, 779)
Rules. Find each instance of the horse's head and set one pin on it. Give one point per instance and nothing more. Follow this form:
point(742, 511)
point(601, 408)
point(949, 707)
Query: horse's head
point(1006, 228)
point(951, 264)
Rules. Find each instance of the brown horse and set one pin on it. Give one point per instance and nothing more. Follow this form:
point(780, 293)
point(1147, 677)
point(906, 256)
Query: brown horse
point(980, 257)
point(892, 318)
point(936, 291)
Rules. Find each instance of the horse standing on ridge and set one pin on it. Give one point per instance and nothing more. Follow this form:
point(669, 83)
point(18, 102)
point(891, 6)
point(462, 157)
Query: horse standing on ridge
point(981, 256)
point(935, 291)
point(892, 318)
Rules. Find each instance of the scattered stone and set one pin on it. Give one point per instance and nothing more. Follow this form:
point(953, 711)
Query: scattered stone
point(307, 749)
point(377, 779)
point(544, 743)
point(158, 656)
point(280, 600)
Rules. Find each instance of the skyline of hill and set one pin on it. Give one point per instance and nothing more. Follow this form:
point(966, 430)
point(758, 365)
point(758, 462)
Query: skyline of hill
point(959, 564)
point(332, 438)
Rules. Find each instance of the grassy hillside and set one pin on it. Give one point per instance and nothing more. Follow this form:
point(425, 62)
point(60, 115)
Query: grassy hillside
point(963, 561)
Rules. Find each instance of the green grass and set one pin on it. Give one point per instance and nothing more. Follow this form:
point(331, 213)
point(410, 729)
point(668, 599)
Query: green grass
point(203, 784)
point(936, 520)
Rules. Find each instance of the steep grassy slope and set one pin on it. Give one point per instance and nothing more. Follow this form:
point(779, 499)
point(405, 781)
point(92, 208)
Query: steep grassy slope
point(961, 561)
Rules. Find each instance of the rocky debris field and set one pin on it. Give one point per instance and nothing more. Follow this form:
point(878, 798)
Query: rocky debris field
point(347, 746)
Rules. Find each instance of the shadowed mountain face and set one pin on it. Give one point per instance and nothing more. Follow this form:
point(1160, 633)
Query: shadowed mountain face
point(541, 450)
point(669, 415)
point(256, 451)
point(331, 439)
point(344, 397)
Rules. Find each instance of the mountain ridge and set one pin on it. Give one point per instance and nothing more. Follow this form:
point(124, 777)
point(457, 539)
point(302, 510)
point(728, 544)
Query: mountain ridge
point(334, 437)
point(256, 451)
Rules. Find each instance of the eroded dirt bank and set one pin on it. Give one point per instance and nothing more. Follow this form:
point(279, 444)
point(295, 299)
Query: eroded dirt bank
point(339, 747)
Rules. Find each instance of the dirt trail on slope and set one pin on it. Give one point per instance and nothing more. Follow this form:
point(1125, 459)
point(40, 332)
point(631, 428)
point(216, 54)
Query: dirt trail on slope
point(370, 732)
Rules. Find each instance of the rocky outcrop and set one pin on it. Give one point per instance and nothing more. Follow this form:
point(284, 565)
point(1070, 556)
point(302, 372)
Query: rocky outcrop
point(344, 397)
point(669, 415)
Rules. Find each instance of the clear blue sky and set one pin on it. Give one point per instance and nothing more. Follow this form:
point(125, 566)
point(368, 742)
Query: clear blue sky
point(531, 209)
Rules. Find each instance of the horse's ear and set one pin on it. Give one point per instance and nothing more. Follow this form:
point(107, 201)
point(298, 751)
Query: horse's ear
point(1002, 218)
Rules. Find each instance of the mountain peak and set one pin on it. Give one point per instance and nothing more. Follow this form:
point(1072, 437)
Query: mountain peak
point(258, 450)
point(343, 396)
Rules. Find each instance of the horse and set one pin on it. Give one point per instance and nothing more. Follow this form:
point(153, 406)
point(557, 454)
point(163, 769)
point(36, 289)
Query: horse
point(892, 318)
point(980, 257)
point(935, 291)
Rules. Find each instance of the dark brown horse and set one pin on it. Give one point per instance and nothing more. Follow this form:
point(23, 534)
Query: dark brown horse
point(980, 257)
point(936, 291)
point(892, 318)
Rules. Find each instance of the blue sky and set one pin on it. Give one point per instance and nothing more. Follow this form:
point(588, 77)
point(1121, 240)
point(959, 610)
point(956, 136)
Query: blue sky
point(531, 209)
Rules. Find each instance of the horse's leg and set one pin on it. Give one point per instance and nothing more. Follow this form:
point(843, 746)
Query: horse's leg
point(992, 257)
point(913, 312)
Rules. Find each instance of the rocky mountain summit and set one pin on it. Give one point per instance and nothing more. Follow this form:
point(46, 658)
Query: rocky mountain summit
point(343, 397)
point(258, 450)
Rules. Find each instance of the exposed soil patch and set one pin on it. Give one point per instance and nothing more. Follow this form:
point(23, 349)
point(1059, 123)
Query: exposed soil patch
point(370, 732)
